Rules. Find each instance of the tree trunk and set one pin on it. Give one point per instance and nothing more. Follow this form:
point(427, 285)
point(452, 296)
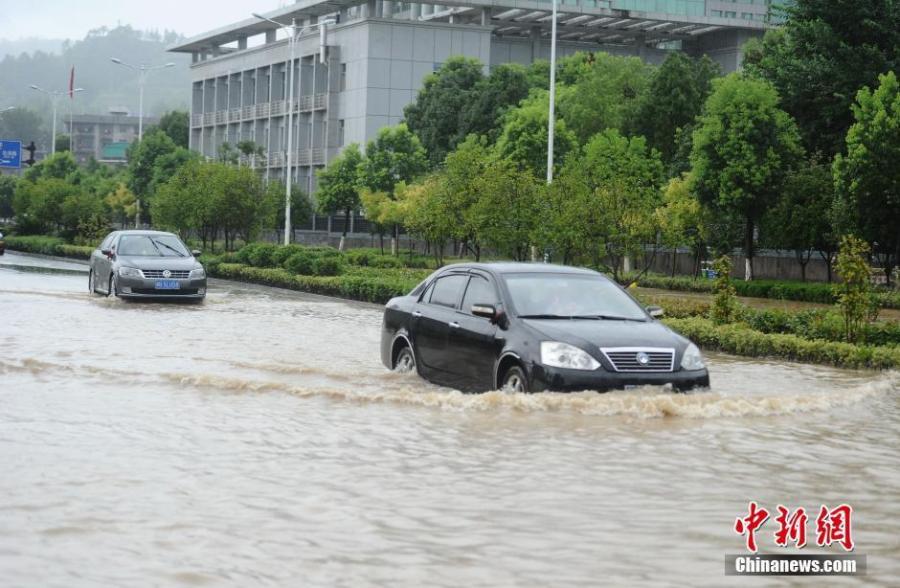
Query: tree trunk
point(343, 242)
point(395, 236)
point(748, 250)
point(674, 260)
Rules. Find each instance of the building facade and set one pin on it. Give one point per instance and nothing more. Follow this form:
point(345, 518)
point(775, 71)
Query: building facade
point(368, 65)
point(105, 137)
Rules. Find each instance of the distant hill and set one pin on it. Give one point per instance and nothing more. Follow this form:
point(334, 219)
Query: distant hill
point(106, 84)
point(29, 45)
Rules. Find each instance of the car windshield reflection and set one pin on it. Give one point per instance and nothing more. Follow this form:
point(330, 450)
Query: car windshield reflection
point(555, 296)
point(151, 246)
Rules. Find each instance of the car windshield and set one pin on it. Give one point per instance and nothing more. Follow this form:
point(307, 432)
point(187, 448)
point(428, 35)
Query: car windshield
point(570, 296)
point(151, 246)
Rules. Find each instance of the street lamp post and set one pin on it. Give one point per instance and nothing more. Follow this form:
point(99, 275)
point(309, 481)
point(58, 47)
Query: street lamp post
point(55, 95)
point(551, 124)
point(142, 70)
point(293, 31)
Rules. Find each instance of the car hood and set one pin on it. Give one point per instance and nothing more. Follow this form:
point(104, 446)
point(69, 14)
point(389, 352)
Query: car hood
point(593, 334)
point(158, 263)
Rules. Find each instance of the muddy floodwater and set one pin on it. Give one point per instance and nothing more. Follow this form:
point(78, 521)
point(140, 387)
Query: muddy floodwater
point(256, 440)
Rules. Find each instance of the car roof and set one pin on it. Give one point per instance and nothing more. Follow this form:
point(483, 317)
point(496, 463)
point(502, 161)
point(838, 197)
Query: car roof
point(510, 267)
point(143, 232)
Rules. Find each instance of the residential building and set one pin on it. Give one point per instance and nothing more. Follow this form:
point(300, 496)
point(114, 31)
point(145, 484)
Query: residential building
point(105, 137)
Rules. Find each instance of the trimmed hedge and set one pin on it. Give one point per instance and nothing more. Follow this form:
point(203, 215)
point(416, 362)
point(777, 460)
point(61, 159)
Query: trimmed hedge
point(47, 246)
point(742, 340)
point(378, 290)
point(810, 324)
point(776, 289)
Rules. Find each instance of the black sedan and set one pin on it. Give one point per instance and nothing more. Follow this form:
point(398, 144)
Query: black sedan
point(533, 327)
point(146, 264)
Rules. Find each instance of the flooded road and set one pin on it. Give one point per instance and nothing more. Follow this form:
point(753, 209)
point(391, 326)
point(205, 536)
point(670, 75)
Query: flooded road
point(256, 440)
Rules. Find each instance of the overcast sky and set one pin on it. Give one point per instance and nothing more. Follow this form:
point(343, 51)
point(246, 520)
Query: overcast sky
point(72, 19)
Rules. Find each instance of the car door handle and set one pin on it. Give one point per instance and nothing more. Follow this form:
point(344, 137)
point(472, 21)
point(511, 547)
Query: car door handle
point(454, 325)
point(417, 314)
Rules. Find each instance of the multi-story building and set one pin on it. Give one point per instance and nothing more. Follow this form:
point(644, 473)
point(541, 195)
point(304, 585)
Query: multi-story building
point(370, 63)
point(105, 137)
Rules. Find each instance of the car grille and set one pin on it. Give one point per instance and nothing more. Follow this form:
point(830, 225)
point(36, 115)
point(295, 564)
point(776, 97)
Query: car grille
point(158, 274)
point(628, 359)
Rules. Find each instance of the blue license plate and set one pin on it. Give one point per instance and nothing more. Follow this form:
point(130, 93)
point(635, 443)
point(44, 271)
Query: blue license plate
point(168, 284)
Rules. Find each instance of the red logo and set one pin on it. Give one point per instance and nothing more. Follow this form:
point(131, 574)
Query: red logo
point(832, 526)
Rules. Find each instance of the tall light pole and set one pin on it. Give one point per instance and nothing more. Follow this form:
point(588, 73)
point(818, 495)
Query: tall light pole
point(293, 31)
point(142, 70)
point(551, 124)
point(55, 95)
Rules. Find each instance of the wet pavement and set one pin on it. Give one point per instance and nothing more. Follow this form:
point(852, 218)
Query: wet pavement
point(256, 440)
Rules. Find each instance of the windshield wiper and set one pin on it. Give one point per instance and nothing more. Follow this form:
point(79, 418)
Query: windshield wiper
point(608, 317)
point(580, 317)
point(177, 252)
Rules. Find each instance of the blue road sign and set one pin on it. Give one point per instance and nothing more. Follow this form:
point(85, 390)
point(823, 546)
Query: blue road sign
point(11, 154)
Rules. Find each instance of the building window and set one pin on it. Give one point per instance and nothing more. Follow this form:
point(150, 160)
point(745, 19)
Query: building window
point(343, 80)
point(340, 137)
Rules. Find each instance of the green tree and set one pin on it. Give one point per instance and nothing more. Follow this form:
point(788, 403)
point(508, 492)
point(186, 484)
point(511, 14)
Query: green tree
point(507, 213)
point(492, 97)
point(725, 306)
point(823, 53)
point(339, 184)
point(524, 136)
point(60, 166)
point(460, 179)
point(437, 113)
point(396, 155)
point(7, 190)
point(38, 204)
point(854, 294)
point(682, 221)
point(63, 143)
point(615, 186)
point(424, 207)
point(800, 219)
point(677, 91)
point(176, 124)
point(251, 150)
point(121, 203)
point(601, 91)
point(743, 146)
point(867, 178)
point(142, 157)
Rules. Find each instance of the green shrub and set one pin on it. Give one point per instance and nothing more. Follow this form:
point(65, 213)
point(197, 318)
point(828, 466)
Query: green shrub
point(300, 263)
point(741, 340)
point(327, 266)
point(725, 305)
point(44, 245)
point(386, 262)
point(262, 255)
point(360, 257)
point(282, 253)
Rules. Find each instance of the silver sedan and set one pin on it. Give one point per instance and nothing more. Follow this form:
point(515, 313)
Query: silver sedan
point(146, 264)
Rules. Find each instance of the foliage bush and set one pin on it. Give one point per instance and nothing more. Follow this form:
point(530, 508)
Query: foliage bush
point(774, 289)
point(327, 266)
point(742, 340)
point(44, 245)
point(300, 263)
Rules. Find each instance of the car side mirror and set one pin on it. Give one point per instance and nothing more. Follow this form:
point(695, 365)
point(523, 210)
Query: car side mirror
point(485, 311)
point(106, 252)
point(196, 252)
point(656, 311)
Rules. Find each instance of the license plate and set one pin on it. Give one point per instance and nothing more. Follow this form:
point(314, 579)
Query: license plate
point(168, 284)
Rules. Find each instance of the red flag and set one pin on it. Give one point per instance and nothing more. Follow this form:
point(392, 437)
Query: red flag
point(72, 83)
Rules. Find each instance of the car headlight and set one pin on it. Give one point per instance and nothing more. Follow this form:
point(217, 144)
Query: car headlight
point(198, 273)
point(563, 355)
point(692, 359)
point(130, 272)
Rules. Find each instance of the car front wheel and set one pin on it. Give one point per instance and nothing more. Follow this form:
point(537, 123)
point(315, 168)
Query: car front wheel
point(405, 362)
point(515, 380)
point(113, 286)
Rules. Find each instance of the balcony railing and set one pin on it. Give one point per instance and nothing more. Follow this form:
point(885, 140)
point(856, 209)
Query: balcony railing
point(276, 107)
point(247, 112)
point(196, 120)
point(209, 118)
point(262, 110)
point(321, 101)
point(234, 115)
point(221, 117)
